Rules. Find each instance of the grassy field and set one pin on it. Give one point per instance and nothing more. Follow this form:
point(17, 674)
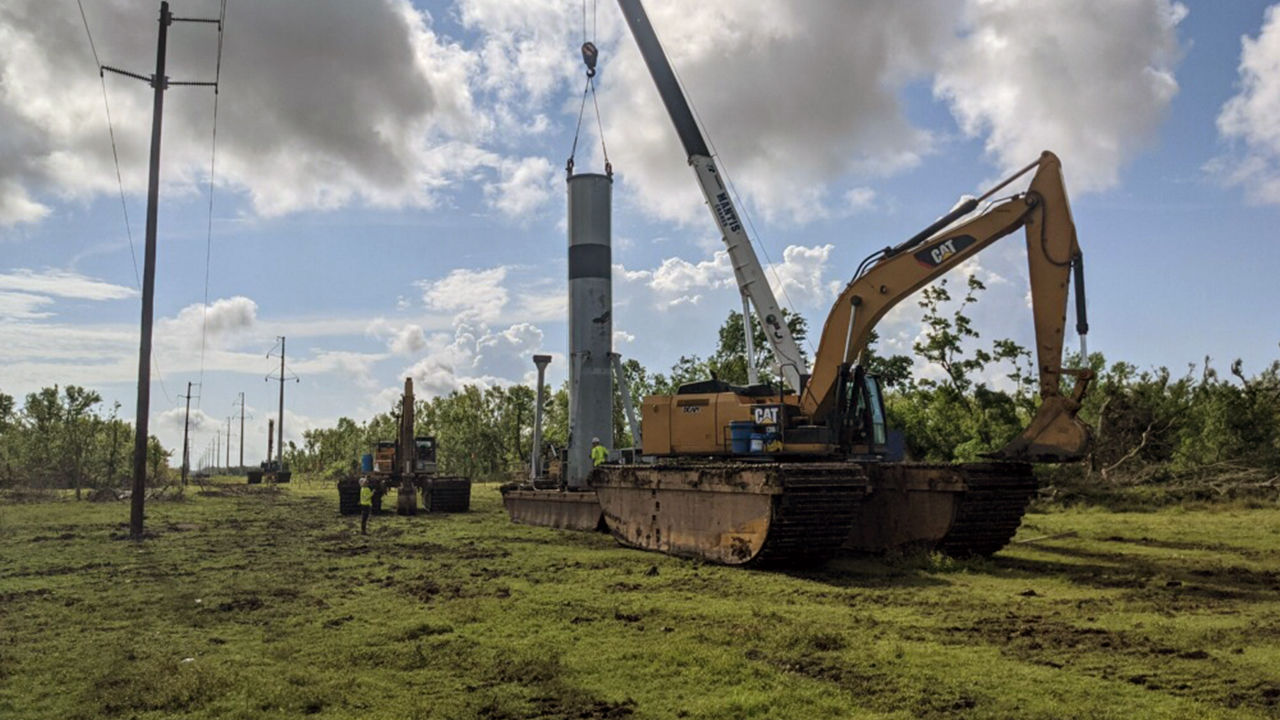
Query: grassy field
point(264, 603)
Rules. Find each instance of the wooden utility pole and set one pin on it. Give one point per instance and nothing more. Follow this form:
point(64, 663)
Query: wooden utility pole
point(280, 420)
point(159, 83)
point(228, 443)
point(241, 403)
point(186, 424)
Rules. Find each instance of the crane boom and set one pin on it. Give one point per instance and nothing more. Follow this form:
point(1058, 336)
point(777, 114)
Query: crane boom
point(747, 270)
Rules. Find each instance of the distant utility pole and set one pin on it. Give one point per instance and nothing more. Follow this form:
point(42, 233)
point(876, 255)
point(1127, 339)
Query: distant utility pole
point(240, 402)
point(159, 82)
point(228, 443)
point(186, 423)
point(280, 421)
point(217, 447)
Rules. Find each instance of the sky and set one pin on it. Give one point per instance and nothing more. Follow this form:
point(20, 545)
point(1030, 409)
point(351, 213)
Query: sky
point(388, 183)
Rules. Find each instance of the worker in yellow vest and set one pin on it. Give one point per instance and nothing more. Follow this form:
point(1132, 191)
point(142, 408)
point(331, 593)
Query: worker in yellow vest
point(366, 505)
point(598, 452)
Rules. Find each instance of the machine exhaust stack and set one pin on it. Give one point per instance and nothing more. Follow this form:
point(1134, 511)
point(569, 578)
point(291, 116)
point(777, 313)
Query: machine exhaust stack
point(590, 321)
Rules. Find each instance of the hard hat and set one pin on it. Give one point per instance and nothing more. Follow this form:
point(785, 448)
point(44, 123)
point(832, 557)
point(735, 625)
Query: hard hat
point(595, 440)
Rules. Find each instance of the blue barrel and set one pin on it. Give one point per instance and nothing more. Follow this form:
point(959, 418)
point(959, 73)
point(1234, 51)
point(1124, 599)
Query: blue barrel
point(366, 463)
point(740, 436)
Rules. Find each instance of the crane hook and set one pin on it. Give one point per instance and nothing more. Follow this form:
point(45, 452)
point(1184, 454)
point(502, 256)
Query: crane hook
point(589, 56)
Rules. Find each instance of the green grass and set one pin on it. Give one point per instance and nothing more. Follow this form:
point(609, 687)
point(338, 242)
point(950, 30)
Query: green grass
point(258, 603)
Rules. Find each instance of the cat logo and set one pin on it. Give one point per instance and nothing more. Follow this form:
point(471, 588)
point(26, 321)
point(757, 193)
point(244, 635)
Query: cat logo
point(943, 251)
point(940, 253)
point(765, 415)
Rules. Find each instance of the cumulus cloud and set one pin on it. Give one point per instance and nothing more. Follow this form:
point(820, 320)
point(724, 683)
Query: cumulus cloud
point(1090, 80)
point(480, 294)
point(1250, 117)
point(475, 354)
point(323, 103)
point(224, 319)
point(409, 340)
point(525, 185)
point(796, 96)
point(799, 278)
point(810, 94)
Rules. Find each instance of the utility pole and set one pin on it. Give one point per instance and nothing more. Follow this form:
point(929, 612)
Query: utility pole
point(217, 446)
point(241, 404)
point(228, 443)
point(280, 421)
point(186, 424)
point(159, 82)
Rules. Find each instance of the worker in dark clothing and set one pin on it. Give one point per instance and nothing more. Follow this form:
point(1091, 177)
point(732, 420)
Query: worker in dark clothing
point(598, 452)
point(366, 505)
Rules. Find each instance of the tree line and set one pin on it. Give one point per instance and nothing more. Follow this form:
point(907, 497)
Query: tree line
point(1151, 427)
point(64, 438)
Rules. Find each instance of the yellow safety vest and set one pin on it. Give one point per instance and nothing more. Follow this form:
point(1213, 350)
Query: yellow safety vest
point(598, 455)
point(366, 496)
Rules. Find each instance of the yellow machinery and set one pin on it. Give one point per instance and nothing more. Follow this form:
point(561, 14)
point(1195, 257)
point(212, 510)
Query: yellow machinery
point(757, 475)
point(409, 466)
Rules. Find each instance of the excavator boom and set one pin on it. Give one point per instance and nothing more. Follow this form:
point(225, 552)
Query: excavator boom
point(1043, 211)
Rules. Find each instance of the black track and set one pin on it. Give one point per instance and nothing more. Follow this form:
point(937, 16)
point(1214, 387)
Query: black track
point(813, 515)
point(447, 494)
point(990, 509)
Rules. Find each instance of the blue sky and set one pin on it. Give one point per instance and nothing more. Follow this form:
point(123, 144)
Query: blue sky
point(390, 187)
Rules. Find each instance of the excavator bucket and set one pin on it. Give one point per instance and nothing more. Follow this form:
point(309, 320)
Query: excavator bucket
point(1055, 435)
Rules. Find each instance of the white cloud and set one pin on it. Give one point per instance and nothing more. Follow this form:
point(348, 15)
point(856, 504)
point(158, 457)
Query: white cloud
point(677, 276)
point(800, 276)
point(1090, 80)
point(809, 95)
point(860, 199)
point(23, 306)
point(1251, 116)
point(303, 127)
point(477, 293)
point(302, 124)
point(355, 366)
point(475, 355)
point(409, 339)
point(225, 319)
point(62, 283)
point(526, 184)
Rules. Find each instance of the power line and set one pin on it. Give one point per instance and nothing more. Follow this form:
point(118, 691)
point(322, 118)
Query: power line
point(115, 157)
point(213, 157)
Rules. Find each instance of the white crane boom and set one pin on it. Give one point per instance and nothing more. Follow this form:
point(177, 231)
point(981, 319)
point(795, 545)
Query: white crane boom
point(747, 270)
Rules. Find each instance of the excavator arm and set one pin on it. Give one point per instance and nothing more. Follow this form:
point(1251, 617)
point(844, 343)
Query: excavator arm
point(1055, 434)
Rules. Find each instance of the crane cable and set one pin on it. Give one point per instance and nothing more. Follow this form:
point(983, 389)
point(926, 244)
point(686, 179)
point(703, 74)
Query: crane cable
point(590, 55)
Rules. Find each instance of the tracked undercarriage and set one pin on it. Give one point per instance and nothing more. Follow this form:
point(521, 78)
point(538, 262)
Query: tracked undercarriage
point(789, 514)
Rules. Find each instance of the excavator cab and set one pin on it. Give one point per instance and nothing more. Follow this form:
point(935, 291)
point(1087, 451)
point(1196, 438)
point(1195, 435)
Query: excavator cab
point(861, 413)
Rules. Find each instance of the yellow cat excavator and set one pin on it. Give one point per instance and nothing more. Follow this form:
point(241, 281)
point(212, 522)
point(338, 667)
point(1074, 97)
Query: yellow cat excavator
point(753, 475)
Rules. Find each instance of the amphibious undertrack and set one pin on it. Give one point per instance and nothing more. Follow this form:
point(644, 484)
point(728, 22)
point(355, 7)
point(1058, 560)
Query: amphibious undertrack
point(734, 513)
